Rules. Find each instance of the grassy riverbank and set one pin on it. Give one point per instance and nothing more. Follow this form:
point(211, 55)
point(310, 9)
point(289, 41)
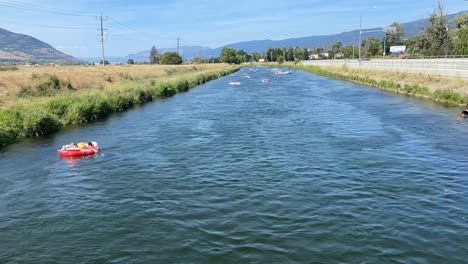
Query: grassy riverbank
point(39, 101)
point(444, 90)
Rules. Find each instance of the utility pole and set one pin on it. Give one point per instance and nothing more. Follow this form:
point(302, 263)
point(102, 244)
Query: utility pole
point(384, 44)
point(178, 46)
point(354, 44)
point(101, 39)
point(446, 41)
point(360, 33)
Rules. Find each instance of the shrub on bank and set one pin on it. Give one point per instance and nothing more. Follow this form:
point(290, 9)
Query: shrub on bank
point(416, 89)
point(119, 103)
point(22, 121)
point(451, 96)
point(7, 136)
point(40, 123)
point(8, 68)
point(11, 123)
point(48, 85)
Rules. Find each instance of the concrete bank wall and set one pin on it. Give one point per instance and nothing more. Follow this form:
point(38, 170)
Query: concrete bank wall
point(449, 67)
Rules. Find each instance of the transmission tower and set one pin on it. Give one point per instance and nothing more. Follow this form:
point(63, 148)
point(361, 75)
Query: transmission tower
point(178, 46)
point(102, 37)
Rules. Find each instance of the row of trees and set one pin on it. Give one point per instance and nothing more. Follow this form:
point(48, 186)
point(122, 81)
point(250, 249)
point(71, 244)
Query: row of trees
point(230, 55)
point(372, 46)
point(286, 54)
point(167, 58)
point(441, 37)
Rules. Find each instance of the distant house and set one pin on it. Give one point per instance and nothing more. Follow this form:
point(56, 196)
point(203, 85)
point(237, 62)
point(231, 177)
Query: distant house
point(314, 57)
point(324, 55)
point(261, 60)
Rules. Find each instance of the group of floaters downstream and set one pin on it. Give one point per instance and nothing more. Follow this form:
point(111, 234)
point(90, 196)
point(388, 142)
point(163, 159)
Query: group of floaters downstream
point(263, 80)
point(79, 150)
point(276, 71)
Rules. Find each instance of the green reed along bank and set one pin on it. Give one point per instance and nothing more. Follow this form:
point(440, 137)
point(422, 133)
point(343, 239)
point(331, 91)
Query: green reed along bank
point(35, 116)
point(446, 96)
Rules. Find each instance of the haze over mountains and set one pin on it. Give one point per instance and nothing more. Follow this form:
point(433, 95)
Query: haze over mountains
point(347, 38)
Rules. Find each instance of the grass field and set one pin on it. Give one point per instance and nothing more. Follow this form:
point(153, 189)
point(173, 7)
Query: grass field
point(39, 101)
point(87, 77)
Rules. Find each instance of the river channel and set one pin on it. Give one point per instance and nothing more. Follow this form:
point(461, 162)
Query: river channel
point(302, 169)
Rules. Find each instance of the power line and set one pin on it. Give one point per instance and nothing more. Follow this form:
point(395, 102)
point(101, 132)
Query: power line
point(101, 36)
point(41, 9)
point(45, 26)
point(29, 4)
point(122, 25)
point(144, 35)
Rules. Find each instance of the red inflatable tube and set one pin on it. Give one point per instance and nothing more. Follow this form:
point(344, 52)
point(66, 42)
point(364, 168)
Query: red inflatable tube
point(76, 152)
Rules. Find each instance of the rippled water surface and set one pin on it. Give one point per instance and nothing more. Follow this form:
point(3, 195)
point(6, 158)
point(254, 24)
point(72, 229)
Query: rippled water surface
point(299, 170)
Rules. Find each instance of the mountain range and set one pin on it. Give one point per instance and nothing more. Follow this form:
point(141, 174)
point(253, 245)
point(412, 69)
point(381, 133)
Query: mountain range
point(347, 38)
point(23, 48)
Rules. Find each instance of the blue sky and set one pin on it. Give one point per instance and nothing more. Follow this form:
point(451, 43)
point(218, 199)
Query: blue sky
point(136, 25)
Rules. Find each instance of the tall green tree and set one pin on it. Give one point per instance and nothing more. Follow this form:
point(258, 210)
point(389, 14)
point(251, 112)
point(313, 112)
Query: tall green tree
point(255, 55)
point(284, 53)
point(290, 56)
point(460, 35)
point(171, 58)
point(154, 55)
point(438, 33)
point(228, 55)
point(371, 46)
point(280, 59)
point(270, 55)
point(242, 56)
point(337, 47)
point(348, 51)
point(298, 53)
point(305, 54)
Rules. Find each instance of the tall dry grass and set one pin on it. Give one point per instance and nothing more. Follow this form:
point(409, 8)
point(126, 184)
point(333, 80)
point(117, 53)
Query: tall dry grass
point(86, 77)
point(49, 102)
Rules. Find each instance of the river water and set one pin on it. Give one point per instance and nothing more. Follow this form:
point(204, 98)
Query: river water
point(303, 169)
